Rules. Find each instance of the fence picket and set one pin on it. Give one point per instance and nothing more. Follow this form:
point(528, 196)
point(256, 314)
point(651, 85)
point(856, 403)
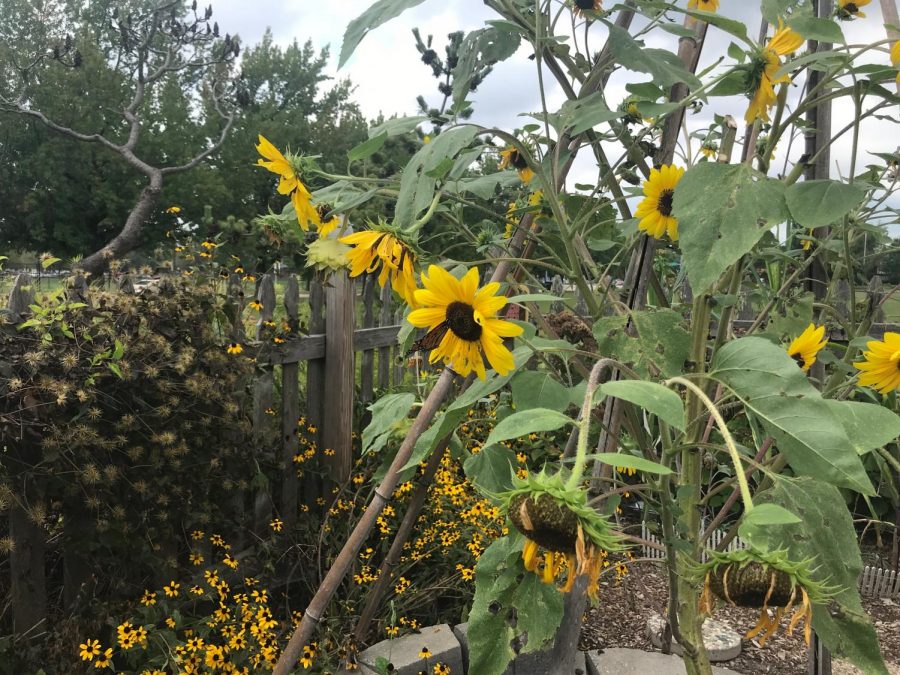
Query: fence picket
point(263, 397)
point(339, 376)
point(290, 409)
point(315, 385)
point(384, 353)
point(367, 368)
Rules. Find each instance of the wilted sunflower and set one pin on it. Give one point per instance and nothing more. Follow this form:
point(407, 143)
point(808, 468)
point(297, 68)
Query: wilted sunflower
point(804, 347)
point(704, 5)
point(327, 224)
point(655, 211)
point(582, 6)
point(559, 520)
point(849, 9)
point(462, 323)
point(290, 183)
point(512, 157)
point(381, 249)
point(762, 71)
point(749, 578)
point(881, 367)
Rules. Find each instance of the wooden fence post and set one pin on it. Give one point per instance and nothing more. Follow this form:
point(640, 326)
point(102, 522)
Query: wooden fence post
point(20, 297)
point(263, 398)
point(290, 410)
point(384, 353)
point(367, 370)
point(339, 376)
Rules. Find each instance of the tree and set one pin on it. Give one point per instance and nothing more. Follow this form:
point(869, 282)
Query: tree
point(144, 50)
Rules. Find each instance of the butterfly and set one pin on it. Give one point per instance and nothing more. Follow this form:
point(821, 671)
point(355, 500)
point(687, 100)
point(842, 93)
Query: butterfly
point(431, 339)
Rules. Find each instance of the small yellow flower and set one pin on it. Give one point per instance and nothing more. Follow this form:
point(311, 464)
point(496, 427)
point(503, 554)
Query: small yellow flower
point(424, 653)
point(170, 622)
point(171, 590)
point(255, 304)
point(148, 599)
point(510, 157)
point(197, 534)
point(89, 649)
point(174, 209)
point(655, 211)
point(392, 631)
point(881, 365)
point(277, 524)
point(234, 348)
point(104, 659)
point(196, 559)
point(804, 347)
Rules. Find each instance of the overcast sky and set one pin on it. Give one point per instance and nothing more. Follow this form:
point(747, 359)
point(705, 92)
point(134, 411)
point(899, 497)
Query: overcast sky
point(388, 74)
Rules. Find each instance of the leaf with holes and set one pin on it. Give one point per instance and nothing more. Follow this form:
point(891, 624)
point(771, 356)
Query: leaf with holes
point(660, 349)
point(513, 612)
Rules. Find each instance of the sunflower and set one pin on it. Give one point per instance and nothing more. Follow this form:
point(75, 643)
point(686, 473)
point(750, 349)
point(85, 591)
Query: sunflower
point(512, 157)
point(709, 150)
point(704, 5)
point(655, 211)
point(804, 347)
point(290, 183)
point(895, 57)
point(234, 348)
point(849, 9)
point(381, 249)
point(881, 367)
point(326, 225)
point(582, 6)
point(763, 69)
point(463, 318)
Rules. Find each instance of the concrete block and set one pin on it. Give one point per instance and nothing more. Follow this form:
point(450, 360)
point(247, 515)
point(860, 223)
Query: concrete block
point(617, 661)
point(401, 655)
point(722, 642)
point(534, 663)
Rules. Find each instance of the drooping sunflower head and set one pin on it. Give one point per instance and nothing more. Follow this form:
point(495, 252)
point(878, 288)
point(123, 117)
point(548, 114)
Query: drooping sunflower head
point(750, 578)
point(462, 323)
point(580, 7)
point(328, 221)
point(761, 72)
point(655, 211)
point(327, 254)
point(704, 5)
point(558, 520)
point(511, 157)
point(290, 168)
point(384, 249)
point(804, 347)
point(881, 364)
point(849, 9)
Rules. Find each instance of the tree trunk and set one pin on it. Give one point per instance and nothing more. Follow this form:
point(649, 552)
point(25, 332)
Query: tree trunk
point(130, 236)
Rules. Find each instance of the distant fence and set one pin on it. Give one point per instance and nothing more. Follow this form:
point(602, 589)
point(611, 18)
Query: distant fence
point(874, 582)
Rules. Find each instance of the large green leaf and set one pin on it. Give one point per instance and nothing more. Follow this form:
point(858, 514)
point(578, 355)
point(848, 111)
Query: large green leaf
point(816, 203)
point(817, 28)
point(417, 184)
point(660, 349)
point(367, 148)
point(652, 397)
point(526, 422)
point(586, 113)
point(626, 461)
point(827, 535)
point(512, 612)
point(485, 187)
point(397, 126)
point(379, 13)
point(491, 469)
point(791, 410)
point(386, 413)
point(480, 49)
point(538, 389)
point(868, 426)
point(666, 68)
point(722, 211)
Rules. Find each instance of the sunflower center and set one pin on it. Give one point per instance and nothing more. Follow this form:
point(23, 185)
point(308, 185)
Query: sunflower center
point(584, 4)
point(664, 203)
point(516, 159)
point(799, 359)
point(851, 8)
point(461, 320)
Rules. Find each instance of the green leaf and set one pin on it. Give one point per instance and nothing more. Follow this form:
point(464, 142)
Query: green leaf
point(386, 412)
point(666, 68)
point(114, 367)
point(621, 459)
point(816, 203)
point(491, 469)
point(827, 535)
point(379, 13)
point(815, 28)
point(586, 113)
point(46, 261)
point(416, 186)
point(397, 126)
point(536, 389)
point(481, 49)
point(735, 28)
point(661, 348)
point(773, 10)
point(722, 211)
point(507, 611)
point(527, 422)
point(342, 196)
point(769, 514)
point(652, 397)
point(868, 426)
point(367, 148)
point(485, 187)
point(791, 410)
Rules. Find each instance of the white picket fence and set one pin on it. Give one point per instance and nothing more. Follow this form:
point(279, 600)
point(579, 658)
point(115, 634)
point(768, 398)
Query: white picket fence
point(874, 582)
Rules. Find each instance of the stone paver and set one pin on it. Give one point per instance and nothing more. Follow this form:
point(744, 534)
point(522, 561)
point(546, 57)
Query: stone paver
point(619, 661)
point(535, 663)
point(722, 642)
point(402, 654)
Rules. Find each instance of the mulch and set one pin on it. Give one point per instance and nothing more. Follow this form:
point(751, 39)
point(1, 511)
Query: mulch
point(620, 620)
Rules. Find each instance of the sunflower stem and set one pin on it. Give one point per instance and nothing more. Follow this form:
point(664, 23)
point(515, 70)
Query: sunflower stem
point(584, 424)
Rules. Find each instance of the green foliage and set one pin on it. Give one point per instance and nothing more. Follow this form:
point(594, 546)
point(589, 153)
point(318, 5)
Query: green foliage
point(660, 349)
point(379, 13)
point(527, 422)
point(513, 612)
point(778, 394)
point(816, 203)
point(652, 397)
point(722, 211)
point(387, 412)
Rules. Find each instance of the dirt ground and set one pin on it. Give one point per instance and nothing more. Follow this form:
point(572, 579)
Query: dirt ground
point(620, 620)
